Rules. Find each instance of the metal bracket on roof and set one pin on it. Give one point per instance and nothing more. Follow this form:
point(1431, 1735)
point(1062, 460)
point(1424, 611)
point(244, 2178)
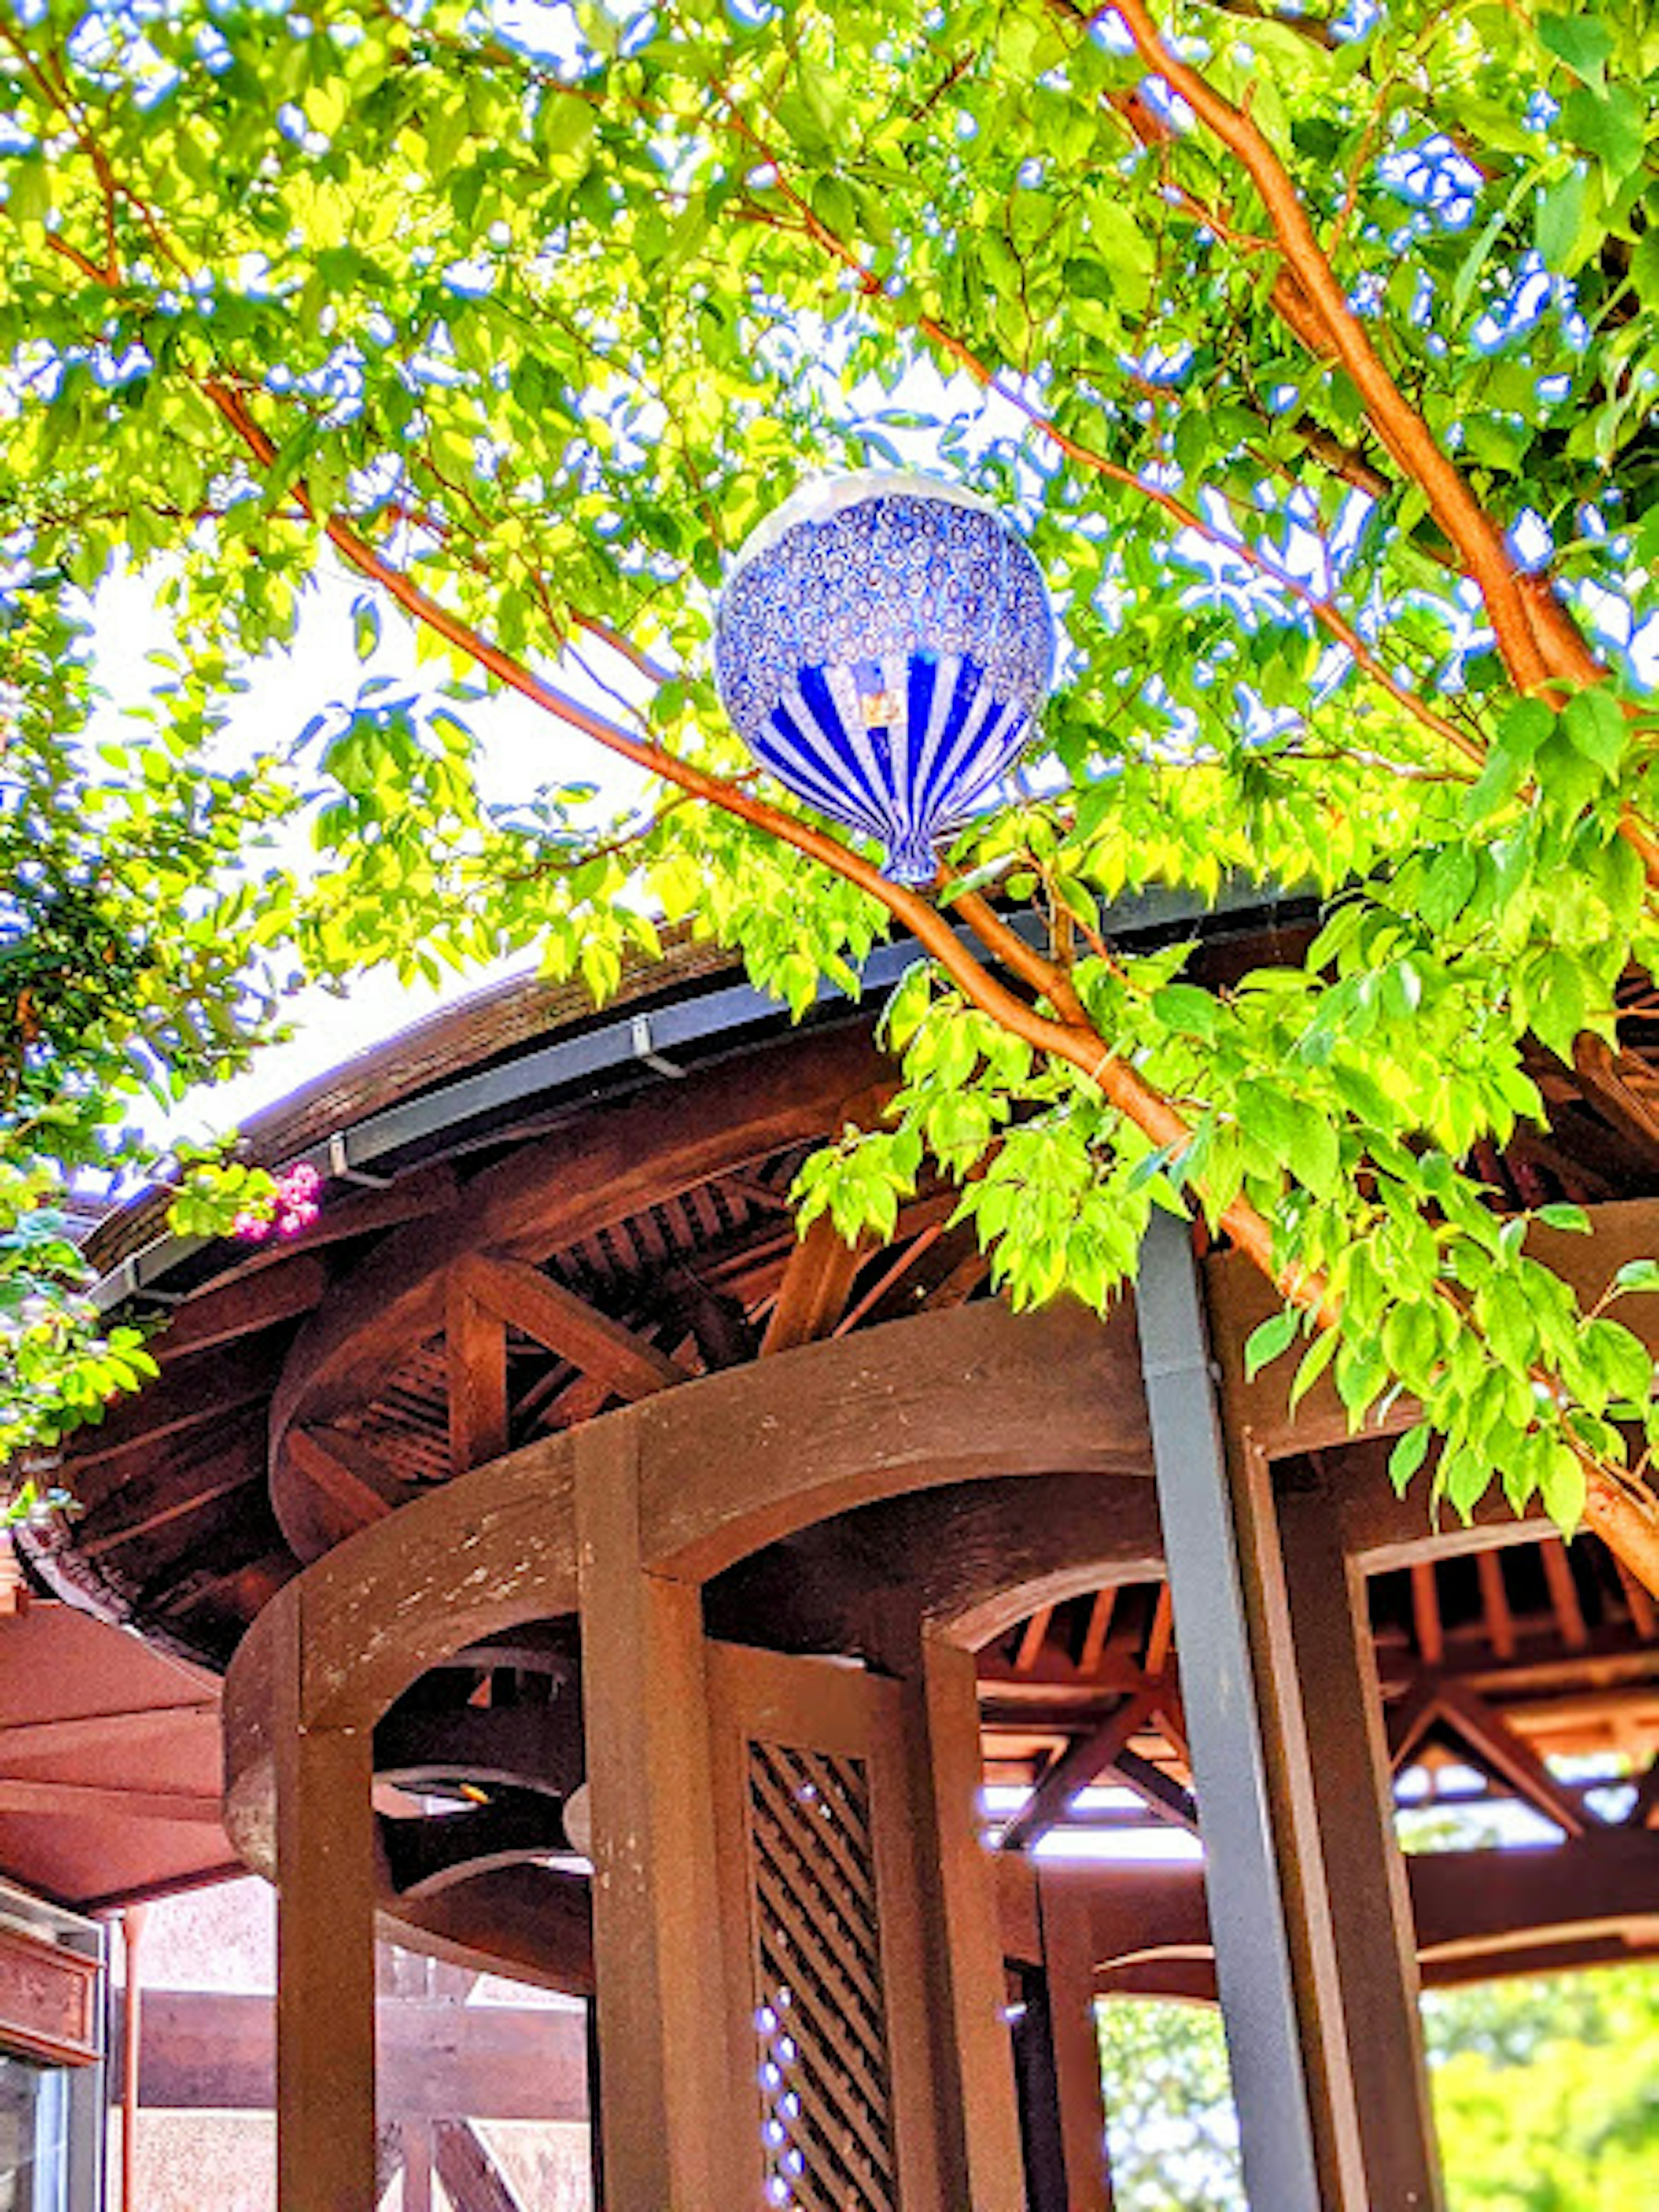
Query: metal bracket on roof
point(644, 1049)
point(339, 1166)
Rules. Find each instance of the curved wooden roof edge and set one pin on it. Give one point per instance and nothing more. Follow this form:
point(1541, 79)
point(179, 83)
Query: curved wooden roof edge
point(503, 1022)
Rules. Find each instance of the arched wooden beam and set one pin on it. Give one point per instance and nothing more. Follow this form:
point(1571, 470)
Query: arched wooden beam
point(1471, 1910)
point(729, 1463)
point(606, 1163)
point(743, 1458)
point(967, 1561)
point(531, 1922)
point(424, 1856)
point(522, 1746)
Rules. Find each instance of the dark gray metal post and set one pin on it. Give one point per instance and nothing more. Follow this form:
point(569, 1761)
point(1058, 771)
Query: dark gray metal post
point(1243, 1877)
point(1314, 1958)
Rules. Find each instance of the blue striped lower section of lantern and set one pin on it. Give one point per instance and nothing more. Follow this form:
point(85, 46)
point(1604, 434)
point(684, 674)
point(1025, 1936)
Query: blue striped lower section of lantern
point(884, 644)
point(905, 781)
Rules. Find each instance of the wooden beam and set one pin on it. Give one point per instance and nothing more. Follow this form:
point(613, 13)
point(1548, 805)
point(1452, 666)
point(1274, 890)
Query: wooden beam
point(347, 1473)
point(1100, 1624)
point(1426, 1614)
point(1497, 1748)
point(1154, 1788)
point(1408, 1722)
point(1032, 1637)
point(888, 1276)
point(1611, 1081)
point(1563, 1593)
point(475, 1357)
point(206, 1389)
point(1644, 1618)
point(276, 1293)
point(558, 1319)
point(1645, 1804)
point(211, 1480)
point(215, 2051)
point(817, 1280)
point(470, 2176)
point(1074, 1769)
point(95, 1731)
point(1495, 1603)
point(1158, 1636)
point(108, 1802)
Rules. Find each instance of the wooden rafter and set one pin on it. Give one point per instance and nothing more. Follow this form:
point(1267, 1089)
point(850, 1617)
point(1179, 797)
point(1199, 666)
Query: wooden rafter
point(1645, 1808)
point(475, 1357)
point(470, 2176)
point(1099, 1628)
point(53, 1739)
point(1155, 1788)
point(345, 1470)
point(1032, 1638)
point(1074, 1769)
point(1410, 1721)
point(817, 1281)
point(558, 1320)
point(1620, 1087)
point(249, 1302)
point(1501, 1752)
point(1495, 1604)
point(890, 1276)
point(1563, 1593)
point(1158, 1636)
point(1426, 1614)
point(106, 1802)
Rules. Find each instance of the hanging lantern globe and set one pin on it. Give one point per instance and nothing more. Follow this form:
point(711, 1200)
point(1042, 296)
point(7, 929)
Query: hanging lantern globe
point(885, 643)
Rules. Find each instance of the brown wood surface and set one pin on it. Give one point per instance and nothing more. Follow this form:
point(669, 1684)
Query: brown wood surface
point(48, 2000)
point(740, 1459)
point(475, 1362)
point(214, 2051)
point(324, 1838)
point(598, 1169)
point(627, 1365)
point(1479, 1909)
point(1069, 1969)
point(667, 2078)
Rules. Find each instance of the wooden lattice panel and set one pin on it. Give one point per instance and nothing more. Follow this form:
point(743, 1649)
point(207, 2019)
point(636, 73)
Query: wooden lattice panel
point(826, 2098)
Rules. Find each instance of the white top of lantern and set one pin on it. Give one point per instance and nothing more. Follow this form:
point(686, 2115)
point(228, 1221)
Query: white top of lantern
point(821, 497)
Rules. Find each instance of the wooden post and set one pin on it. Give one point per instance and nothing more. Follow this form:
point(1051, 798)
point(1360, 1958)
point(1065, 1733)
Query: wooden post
point(1306, 1897)
point(666, 2079)
point(973, 2060)
point(326, 2133)
point(132, 1928)
point(1362, 1961)
point(1068, 1968)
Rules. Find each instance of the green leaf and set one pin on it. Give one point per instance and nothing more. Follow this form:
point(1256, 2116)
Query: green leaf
point(1408, 1455)
point(1563, 1486)
point(1572, 1218)
point(1268, 1340)
point(1581, 40)
point(1562, 212)
point(1596, 727)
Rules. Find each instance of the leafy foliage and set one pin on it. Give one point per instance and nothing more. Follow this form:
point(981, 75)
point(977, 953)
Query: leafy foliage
point(1543, 2097)
point(1327, 413)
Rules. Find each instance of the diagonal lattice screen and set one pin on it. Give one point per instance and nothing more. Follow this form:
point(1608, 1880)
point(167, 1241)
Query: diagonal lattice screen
point(826, 2105)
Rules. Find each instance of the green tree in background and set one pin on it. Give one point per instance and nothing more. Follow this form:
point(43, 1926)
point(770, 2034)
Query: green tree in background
point(1545, 2098)
point(1313, 353)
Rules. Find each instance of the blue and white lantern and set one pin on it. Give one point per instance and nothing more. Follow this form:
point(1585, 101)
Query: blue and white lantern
point(885, 643)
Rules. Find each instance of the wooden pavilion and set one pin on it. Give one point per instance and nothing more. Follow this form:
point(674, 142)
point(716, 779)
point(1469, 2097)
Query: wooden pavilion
point(549, 1504)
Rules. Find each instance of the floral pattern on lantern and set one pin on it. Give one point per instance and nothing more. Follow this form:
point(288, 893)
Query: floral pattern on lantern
point(885, 643)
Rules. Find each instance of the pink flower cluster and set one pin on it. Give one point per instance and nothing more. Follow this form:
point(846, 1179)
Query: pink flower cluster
point(297, 1205)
